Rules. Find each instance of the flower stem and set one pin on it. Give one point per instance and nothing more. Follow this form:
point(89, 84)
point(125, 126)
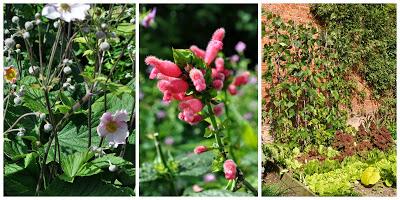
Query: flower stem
point(224, 153)
point(164, 162)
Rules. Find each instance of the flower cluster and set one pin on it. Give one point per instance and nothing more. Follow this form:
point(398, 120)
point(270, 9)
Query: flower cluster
point(190, 81)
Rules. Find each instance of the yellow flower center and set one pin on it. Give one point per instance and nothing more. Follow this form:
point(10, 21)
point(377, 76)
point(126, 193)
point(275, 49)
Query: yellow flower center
point(11, 74)
point(65, 7)
point(111, 126)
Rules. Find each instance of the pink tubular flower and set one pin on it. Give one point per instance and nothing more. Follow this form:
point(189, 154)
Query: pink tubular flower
point(200, 149)
point(213, 47)
point(114, 127)
point(240, 47)
point(197, 79)
point(164, 66)
point(230, 169)
point(219, 34)
point(218, 109)
point(242, 79)
point(149, 18)
point(172, 88)
point(197, 51)
point(232, 89)
point(189, 108)
point(235, 58)
point(219, 64)
point(153, 74)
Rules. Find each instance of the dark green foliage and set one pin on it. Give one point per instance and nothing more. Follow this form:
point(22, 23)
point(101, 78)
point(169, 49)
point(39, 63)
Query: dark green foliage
point(364, 36)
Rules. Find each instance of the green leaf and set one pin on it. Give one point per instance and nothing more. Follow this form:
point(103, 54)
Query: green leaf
point(75, 165)
point(86, 186)
point(125, 28)
point(195, 164)
point(15, 150)
point(182, 57)
point(19, 181)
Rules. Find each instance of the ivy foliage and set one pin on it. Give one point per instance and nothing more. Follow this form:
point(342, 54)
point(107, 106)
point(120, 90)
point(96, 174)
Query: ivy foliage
point(309, 86)
point(364, 36)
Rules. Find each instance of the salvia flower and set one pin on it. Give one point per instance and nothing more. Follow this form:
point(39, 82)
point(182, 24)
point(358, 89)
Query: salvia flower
point(197, 79)
point(230, 169)
point(189, 110)
point(65, 11)
point(200, 149)
point(197, 51)
point(149, 18)
point(218, 109)
point(234, 58)
point(240, 47)
point(214, 46)
point(242, 79)
point(114, 127)
point(164, 66)
point(10, 74)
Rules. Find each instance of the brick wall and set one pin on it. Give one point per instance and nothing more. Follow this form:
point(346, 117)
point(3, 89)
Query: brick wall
point(299, 13)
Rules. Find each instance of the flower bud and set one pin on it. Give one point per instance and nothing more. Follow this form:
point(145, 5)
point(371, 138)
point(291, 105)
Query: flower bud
point(197, 51)
point(6, 31)
point(13, 86)
point(68, 80)
point(33, 70)
point(21, 91)
point(17, 100)
point(65, 85)
point(56, 24)
point(37, 15)
point(232, 89)
point(200, 149)
point(103, 26)
point(230, 169)
point(104, 46)
point(112, 168)
point(8, 59)
point(100, 35)
point(71, 88)
point(26, 35)
point(10, 43)
point(198, 79)
point(28, 26)
point(42, 116)
point(17, 46)
point(218, 84)
point(48, 127)
point(15, 19)
point(67, 70)
point(38, 21)
point(17, 50)
point(20, 134)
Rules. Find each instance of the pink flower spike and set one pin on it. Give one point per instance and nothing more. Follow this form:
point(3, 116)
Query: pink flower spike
point(230, 169)
point(213, 47)
point(197, 51)
point(197, 79)
point(219, 34)
point(164, 66)
point(232, 89)
point(218, 84)
point(189, 108)
point(200, 149)
point(219, 64)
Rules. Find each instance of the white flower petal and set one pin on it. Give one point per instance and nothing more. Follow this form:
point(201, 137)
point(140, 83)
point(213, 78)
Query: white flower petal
point(79, 11)
point(121, 115)
point(119, 136)
point(67, 16)
point(50, 11)
point(101, 130)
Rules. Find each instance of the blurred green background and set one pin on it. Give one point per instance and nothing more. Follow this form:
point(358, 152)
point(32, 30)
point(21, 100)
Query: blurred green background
point(180, 26)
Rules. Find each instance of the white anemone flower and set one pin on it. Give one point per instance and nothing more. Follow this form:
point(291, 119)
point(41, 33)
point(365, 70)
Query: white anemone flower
point(114, 127)
point(65, 11)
